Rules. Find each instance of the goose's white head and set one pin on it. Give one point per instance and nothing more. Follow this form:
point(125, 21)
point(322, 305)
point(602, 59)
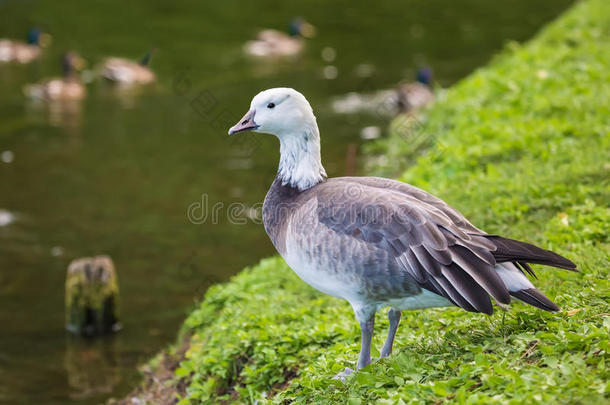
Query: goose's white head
point(281, 112)
point(285, 113)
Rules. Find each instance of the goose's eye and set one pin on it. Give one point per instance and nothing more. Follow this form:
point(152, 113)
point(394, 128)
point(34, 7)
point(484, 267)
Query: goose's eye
point(270, 105)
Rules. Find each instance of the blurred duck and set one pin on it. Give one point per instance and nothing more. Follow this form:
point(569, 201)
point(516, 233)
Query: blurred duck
point(125, 72)
point(415, 95)
point(273, 43)
point(24, 52)
point(68, 87)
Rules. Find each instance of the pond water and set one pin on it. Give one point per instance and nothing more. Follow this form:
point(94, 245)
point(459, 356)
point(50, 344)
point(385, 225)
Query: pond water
point(117, 173)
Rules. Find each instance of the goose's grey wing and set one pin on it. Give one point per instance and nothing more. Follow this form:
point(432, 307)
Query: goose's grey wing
point(412, 192)
point(437, 246)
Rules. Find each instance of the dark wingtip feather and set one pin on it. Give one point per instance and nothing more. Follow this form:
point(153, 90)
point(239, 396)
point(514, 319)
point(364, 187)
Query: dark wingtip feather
point(510, 250)
point(534, 297)
point(483, 274)
point(465, 288)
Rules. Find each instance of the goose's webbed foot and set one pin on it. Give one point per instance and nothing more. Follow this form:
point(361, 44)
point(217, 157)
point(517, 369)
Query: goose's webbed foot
point(343, 375)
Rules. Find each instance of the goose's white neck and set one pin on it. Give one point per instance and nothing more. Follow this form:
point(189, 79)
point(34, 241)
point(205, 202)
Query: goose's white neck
point(300, 161)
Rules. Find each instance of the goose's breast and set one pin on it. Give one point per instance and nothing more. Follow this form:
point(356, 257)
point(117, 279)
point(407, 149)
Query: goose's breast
point(321, 277)
point(323, 259)
point(344, 266)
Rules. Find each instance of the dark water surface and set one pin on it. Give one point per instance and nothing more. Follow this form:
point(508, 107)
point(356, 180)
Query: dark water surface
point(117, 174)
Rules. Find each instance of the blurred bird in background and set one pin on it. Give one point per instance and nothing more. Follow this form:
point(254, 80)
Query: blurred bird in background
point(125, 72)
point(67, 87)
point(24, 52)
point(272, 43)
point(414, 95)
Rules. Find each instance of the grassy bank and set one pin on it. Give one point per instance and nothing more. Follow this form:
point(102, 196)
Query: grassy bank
point(522, 148)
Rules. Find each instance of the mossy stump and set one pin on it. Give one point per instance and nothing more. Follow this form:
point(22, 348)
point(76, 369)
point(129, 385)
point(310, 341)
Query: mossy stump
point(92, 294)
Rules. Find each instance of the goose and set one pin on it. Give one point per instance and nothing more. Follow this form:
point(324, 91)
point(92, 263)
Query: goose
point(68, 87)
point(24, 52)
point(404, 98)
point(415, 95)
point(125, 72)
point(377, 242)
point(272, 43)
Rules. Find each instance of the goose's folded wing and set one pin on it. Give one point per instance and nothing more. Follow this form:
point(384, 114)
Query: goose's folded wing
point(425, 198)
point(428, 241)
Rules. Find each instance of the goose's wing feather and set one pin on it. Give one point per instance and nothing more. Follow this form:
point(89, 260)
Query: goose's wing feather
point(433, 242)
point(502, 249)
point(423, 196)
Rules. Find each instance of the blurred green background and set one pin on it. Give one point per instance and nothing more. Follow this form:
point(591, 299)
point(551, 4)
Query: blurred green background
point(117, 174)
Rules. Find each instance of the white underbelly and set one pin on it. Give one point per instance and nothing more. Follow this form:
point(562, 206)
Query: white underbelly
point(425, 299)
point(340, 286)
point(322, 280)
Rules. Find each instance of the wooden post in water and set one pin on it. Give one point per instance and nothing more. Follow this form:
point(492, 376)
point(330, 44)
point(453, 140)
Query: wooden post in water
point(351, 156)
point(92, 294)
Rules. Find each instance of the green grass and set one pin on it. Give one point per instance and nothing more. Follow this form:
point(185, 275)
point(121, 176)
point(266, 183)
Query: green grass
point(522, 148)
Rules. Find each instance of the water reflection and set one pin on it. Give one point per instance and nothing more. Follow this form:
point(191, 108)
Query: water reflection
point(7, 156)
point(92, 367)
point(6, 217)
point(127, 96)
point(64, 114)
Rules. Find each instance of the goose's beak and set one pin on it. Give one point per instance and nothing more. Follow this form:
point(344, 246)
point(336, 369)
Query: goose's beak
point(245, 124)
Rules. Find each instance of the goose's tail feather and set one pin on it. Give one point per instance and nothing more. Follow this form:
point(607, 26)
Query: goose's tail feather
point(512, 258)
